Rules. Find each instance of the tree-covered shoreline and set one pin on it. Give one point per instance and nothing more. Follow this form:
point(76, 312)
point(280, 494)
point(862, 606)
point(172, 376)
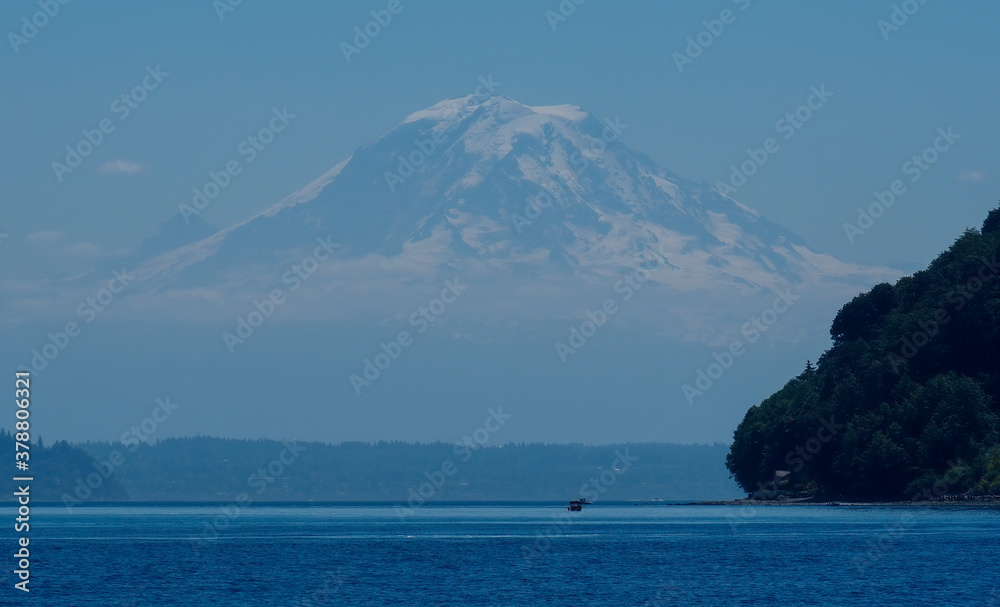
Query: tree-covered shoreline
point(906, 403)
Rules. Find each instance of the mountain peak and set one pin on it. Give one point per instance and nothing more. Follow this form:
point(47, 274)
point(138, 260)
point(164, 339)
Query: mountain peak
point(515, 190)
point(500, 107)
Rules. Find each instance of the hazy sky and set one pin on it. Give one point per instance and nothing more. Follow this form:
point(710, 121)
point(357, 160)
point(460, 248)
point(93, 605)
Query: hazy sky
point(892, 89)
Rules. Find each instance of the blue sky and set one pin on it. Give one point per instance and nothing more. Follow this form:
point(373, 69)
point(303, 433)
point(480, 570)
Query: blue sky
point(938, 69)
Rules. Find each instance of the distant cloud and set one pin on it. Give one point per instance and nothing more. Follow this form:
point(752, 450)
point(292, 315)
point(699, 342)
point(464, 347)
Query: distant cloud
point(84, 250)
point(48, 239)
point(119, 166)
point(973, 176)
point(59, 245)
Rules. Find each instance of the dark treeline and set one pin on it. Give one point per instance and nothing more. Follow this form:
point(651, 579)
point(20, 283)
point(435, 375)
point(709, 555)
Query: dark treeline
point(56, 468)
point(905, 403)
point(214, 469)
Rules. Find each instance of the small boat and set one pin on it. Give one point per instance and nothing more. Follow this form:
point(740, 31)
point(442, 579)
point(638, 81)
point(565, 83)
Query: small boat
point(575, 506)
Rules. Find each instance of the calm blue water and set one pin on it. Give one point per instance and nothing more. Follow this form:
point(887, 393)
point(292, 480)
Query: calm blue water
point(511, 555)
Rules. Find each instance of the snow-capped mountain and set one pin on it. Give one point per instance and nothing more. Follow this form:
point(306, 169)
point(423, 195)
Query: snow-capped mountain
point(536, 204)
point(519, 188)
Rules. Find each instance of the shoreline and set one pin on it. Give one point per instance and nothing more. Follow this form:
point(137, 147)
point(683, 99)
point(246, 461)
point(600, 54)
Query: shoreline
point(977, 502)
point(988, 502)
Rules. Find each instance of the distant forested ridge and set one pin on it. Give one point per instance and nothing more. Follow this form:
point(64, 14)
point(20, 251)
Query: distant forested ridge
point(905, 404)
point(57, 467)
point(215, 469)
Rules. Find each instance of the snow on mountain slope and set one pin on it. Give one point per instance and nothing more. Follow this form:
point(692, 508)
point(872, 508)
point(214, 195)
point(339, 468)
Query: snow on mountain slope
point(532, 199)
point(499, 182)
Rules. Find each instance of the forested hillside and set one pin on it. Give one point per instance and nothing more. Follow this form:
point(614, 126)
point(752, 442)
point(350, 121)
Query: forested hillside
point(61, 468)
point(906, 402)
